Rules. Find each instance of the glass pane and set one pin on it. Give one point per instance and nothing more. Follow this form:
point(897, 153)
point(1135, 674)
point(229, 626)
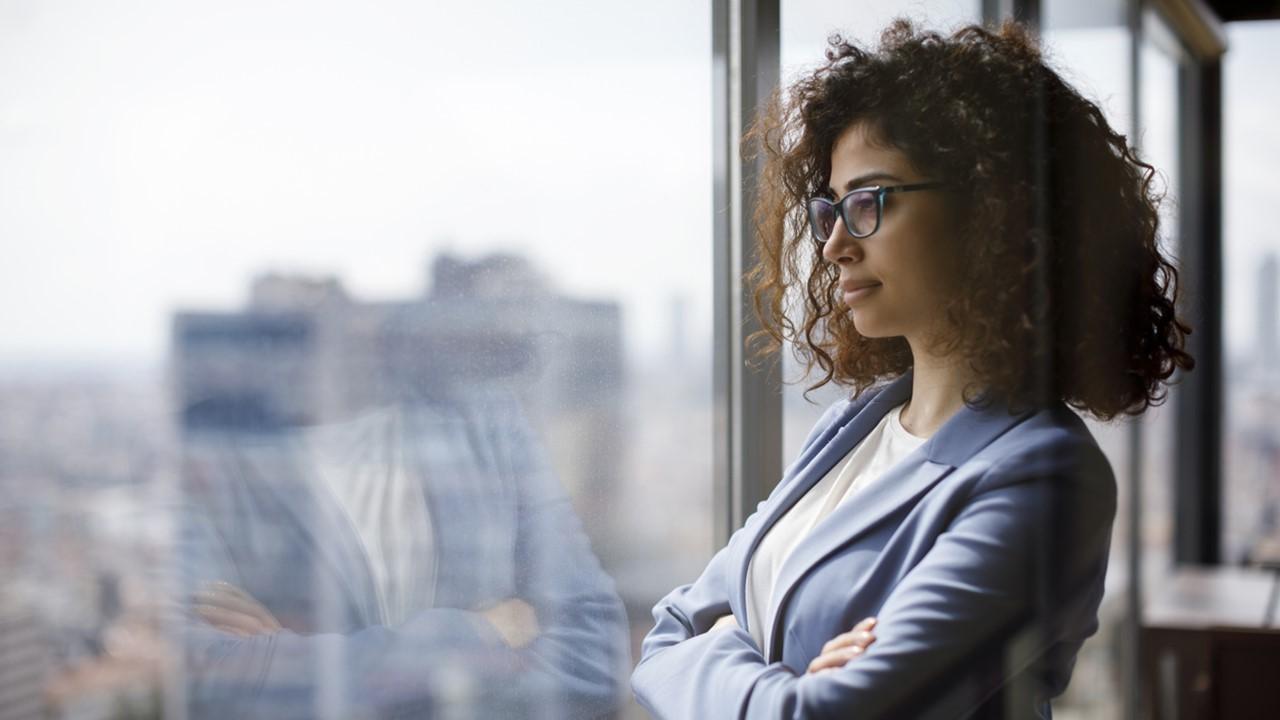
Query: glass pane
point(1251, 382)
point(1090, 47)
point(806, 25)
point(394, 317)
point(1160, 58)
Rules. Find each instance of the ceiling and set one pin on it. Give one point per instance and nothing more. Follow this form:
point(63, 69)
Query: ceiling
point(1231, 10)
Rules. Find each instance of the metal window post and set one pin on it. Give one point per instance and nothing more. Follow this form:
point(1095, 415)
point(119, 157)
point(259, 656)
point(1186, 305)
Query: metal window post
point(1197, 510)
point(747, 403)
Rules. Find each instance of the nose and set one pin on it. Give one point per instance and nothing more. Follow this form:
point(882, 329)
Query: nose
point(841, 247)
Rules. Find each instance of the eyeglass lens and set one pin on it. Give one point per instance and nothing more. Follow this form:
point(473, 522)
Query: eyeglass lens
point(859, 214)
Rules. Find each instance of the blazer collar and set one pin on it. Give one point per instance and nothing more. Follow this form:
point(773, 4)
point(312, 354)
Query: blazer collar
point(962, 435)
point(959, 438)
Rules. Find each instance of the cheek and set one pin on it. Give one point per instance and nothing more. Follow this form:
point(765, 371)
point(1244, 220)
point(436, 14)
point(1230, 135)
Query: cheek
point(931, 263)
point(914, 268)
point(918, 286)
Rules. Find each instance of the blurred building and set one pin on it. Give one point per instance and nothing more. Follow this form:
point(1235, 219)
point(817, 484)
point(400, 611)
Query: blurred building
point(26, 663)
point(1268, 359)
point(304, 351)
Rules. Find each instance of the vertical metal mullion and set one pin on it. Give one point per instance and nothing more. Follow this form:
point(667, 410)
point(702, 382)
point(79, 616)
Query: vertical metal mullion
point(747, 403)
point(1198, 481)
point(1020, 655)
point(1028, 11)
point(1131, 670)
point(759, 410)
point(995, 11)
point(722, 435)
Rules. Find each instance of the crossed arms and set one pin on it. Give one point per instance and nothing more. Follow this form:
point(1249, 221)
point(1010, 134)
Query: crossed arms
point(983, 582)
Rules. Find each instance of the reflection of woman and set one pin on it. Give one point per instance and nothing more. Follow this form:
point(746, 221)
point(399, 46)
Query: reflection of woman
point(417, 560)
point(979, 236)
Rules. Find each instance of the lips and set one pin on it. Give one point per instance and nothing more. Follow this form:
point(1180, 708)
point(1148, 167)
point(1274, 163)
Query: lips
point(856, 290)
point(851, 285)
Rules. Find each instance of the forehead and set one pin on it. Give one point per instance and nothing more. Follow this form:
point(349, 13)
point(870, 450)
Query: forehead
point(857, 151)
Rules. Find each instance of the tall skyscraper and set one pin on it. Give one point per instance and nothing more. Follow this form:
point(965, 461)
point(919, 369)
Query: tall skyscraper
point(25, 663)
point(1268, 316)
point(303, 352)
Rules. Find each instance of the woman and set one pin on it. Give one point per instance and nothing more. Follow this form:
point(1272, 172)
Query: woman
point(962, 223)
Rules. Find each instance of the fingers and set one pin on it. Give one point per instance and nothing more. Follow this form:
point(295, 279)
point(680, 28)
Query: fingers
point(226, 598)
point(725, 621)
point(858, 638)
point(233, 610)
point(861, 636)
point(230, 621)
point(835, 658)
point(845, 647)
point(515, 620)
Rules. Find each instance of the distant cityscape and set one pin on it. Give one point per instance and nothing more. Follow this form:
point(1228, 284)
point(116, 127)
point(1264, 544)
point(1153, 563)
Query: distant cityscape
point(1251, 433)
point(88, 464)
point(88, 467)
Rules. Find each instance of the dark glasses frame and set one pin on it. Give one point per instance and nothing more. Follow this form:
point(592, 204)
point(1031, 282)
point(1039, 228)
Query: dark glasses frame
point(817, 203)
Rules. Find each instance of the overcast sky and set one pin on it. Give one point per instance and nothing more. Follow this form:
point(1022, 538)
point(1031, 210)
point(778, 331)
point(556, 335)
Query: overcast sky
point(155, 155)
point(1251, 158)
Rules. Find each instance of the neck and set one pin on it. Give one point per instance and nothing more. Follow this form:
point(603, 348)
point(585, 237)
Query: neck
point(937, 391)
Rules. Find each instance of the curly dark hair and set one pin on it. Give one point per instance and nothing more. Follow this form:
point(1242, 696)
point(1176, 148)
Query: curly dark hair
point(1069, 295)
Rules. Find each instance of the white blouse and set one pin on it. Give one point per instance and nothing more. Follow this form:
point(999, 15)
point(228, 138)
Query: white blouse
point(886, 444)
point(363, 465)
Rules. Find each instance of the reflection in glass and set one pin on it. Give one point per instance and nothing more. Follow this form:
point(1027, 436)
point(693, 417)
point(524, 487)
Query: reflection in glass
point(1090, 45)
point(1251, 315)
point(806, 24)
point(160, 155)
point(401, 546)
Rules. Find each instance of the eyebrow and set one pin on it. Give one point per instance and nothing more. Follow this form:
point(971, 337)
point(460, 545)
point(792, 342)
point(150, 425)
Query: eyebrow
point(861, 180)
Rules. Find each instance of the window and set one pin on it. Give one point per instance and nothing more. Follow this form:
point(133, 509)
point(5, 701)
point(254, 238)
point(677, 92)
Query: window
point(1251, 387)
point(235, 226)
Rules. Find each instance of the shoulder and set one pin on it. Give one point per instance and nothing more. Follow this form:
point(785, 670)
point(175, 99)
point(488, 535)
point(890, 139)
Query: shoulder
point(1054, 446)
point(842, 410)
point(1046, 439)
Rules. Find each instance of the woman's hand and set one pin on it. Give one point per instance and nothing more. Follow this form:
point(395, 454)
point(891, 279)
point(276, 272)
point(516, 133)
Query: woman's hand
point(230, 609)
point(515, 621)
point(844, 647)
point(724, 621)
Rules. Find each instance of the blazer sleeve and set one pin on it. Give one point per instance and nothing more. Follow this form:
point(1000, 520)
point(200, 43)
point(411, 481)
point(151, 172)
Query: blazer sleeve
point(577, 664)
point(984, 581)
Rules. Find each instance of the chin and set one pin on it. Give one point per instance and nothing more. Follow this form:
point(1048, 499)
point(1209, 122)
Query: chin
point(870, 330)
point(869, 326)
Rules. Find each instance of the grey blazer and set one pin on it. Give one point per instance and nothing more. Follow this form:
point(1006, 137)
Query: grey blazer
point(503, 529)
point(983, 554)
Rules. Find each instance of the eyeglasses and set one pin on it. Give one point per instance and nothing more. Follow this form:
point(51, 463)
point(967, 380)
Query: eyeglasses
point(861, 210)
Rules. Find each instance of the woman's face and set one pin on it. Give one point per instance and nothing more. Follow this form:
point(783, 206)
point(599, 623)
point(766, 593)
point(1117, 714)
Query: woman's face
point(910, 261)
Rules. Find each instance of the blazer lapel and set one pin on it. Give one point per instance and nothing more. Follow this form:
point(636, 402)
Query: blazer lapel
point(904, 483)
point(276, 470)
point(963, 435)
point(826, 452)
